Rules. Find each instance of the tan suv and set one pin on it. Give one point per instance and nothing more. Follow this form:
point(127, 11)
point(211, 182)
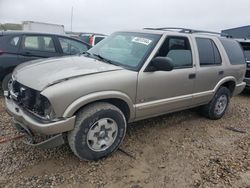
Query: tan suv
point(88, 99)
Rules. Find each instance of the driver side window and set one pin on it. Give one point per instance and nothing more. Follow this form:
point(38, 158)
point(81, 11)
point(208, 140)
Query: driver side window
point(178, 50)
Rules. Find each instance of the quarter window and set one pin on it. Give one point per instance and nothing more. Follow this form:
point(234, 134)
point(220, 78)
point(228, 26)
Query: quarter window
point(234, 51)
point(39, 43)
point(208, 52)
point(178, 50)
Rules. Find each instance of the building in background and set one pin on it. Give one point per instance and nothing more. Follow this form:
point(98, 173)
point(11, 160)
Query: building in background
point(239, 32)
point(34, 26)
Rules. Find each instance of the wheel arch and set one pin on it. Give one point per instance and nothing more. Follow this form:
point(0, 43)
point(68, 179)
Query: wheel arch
point(228, 82)
point(118, 99)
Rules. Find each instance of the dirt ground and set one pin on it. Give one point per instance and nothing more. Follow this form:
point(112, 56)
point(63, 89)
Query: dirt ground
point(177, 150)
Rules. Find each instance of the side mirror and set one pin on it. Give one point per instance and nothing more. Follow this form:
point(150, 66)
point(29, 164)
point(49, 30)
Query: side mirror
point(160, 64)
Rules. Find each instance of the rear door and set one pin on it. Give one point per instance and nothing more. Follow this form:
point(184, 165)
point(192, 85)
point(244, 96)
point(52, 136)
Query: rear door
point(209, 69)
point(70, 46)
point(9, 46)
point(37, 46)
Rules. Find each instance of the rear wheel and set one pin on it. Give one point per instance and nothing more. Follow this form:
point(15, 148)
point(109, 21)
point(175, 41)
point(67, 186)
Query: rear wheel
point(6, 82)
point(99, 130)
point(218, 105)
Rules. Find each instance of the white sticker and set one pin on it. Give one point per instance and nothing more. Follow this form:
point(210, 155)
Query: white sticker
point(141, 40)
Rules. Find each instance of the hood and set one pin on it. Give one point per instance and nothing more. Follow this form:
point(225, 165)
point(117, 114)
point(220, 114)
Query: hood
point(40, 74)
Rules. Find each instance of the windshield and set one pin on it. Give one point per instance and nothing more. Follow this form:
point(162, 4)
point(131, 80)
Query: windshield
point(126, 49)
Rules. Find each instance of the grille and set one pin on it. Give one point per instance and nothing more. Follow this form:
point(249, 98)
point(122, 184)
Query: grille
point(24, 95)
point(248, 74)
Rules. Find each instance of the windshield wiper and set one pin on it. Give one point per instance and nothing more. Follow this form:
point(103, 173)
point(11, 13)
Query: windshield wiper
point(86, 53)
point(104, 59)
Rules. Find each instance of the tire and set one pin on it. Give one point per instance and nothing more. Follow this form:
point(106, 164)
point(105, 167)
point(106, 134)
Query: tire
point(99, 130)
point(5, 82)
point(217, 107)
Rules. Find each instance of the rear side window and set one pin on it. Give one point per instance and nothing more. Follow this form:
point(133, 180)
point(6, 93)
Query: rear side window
point(208, 52)
point(234, 51)
point(72, 47)
point(39, 43)
point(15, 41)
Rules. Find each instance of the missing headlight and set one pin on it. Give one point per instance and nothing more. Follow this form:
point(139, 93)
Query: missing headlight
point(32, 101)
point(43, 108)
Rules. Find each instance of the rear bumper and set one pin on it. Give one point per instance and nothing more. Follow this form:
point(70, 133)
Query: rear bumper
point(247, 80)
point(239, 88)
point(33, 125)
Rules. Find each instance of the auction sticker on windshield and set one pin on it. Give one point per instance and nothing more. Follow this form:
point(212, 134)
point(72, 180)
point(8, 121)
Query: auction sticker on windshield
point(141, 40)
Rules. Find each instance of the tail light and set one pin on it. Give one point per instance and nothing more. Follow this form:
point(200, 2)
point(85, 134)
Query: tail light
point(91, 40)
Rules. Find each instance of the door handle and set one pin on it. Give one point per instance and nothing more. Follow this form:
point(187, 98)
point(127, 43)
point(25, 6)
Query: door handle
point(192, 76)
point(221, 72)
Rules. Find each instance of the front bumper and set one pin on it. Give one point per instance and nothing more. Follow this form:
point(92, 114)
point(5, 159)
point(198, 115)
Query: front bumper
point(33, 125)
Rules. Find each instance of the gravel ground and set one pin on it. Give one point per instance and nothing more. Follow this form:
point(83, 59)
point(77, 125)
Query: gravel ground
point(177, 150)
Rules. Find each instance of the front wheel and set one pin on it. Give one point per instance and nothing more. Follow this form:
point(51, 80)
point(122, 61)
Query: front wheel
point(218, 105)
point(99, 131)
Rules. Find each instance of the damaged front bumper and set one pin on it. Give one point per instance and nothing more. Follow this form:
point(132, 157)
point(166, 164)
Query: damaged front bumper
point(44, 143)
point(33, 126)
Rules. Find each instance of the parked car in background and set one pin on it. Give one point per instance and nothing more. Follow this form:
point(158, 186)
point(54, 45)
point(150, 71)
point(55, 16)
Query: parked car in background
point(20, 47)
point(130, 76)
point(92, 38)
point(246, 47)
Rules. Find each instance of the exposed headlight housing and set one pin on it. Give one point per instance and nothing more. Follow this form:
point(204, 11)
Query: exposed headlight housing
point(32, 101)
point(48, 111)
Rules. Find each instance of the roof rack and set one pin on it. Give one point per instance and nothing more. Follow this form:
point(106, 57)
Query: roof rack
point(186, 30)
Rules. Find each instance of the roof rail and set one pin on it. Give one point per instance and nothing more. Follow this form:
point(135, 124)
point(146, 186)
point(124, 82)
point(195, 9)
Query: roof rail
point(186, 30)
point(172, 28)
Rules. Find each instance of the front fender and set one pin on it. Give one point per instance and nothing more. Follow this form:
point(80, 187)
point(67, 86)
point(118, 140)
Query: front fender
point(97, 96)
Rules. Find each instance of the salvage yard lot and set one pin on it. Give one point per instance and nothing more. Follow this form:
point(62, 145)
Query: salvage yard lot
point(178, 150)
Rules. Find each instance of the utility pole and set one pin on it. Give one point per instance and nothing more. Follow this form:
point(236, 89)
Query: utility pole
point(71, 17)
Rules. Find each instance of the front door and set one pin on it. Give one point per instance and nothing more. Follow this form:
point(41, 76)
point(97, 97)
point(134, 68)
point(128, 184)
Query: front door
point(160, 92)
